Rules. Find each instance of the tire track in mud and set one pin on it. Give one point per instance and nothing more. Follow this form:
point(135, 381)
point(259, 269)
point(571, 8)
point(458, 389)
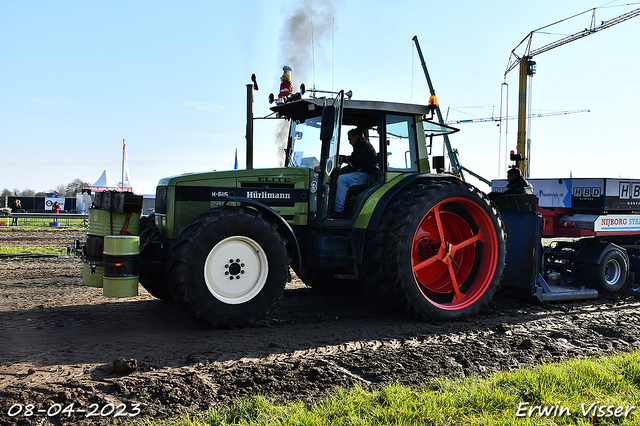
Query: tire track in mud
point(60, 340)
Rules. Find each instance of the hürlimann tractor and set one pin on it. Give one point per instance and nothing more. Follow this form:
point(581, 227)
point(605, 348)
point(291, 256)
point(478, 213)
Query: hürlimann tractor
point(220, 244)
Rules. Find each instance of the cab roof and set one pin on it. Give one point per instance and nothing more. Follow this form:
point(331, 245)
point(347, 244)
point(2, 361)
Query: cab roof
point(312, 107)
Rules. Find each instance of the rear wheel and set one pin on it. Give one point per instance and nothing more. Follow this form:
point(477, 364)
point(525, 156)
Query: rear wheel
point(440, 249)
point(229, 266)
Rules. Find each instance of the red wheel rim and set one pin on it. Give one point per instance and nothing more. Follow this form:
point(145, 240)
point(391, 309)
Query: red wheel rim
point(454, 254)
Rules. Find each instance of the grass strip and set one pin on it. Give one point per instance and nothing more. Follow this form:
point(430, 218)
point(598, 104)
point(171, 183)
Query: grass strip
point(602, 391)
point(40, 222)
point(33, 250)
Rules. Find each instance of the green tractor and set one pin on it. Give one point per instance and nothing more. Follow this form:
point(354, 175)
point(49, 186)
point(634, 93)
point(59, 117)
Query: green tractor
point(221, 244)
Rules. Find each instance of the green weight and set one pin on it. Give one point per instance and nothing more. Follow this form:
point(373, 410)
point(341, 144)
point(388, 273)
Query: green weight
point(92, 280)
point(120, 286)
point(121, 245)
point(100, 222)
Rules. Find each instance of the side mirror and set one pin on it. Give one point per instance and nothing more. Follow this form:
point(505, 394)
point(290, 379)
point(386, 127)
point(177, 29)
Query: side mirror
point(438, 163)
point(328, 118)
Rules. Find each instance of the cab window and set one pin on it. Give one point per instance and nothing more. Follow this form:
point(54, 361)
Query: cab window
point(401, 144)
point(306, 144)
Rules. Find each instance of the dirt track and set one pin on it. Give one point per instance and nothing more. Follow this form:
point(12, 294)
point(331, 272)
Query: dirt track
point(58, 341)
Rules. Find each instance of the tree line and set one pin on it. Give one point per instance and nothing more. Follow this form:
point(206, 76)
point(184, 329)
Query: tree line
point(68, 190)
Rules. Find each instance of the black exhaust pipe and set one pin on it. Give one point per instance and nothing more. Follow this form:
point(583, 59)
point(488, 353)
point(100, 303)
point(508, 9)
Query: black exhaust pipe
point(250, 89)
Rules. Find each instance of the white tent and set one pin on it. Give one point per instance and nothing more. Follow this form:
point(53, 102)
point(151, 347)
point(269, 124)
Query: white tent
point(105, 183)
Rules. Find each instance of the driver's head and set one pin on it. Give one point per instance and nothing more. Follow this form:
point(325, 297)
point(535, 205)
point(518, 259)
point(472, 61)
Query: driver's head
point(513, 173)
point(354, 135)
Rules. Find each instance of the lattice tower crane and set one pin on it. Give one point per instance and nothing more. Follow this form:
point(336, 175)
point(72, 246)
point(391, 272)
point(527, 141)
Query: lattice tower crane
point(528, 69)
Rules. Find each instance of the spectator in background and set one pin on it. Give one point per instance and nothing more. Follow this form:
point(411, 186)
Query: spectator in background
point(517, 184)
point(16, 207)
point(56, 209)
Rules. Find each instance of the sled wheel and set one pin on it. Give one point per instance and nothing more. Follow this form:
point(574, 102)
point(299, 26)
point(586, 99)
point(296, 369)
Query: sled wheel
point(444, 250)
point(611, 273)
point(229, 266)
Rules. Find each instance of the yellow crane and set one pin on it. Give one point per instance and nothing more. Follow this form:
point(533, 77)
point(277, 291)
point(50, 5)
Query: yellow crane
point(528, 69)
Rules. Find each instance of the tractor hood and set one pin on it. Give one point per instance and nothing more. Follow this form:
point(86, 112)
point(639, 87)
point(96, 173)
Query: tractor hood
point(273, 175)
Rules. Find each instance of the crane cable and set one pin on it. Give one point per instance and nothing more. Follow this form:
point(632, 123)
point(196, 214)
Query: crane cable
point(313, 47)
point(528, 141)
point(503, 87)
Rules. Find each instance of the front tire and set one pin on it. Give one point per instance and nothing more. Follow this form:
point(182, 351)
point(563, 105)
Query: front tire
point(440, 249)
point(154, 274)
point(229, 266)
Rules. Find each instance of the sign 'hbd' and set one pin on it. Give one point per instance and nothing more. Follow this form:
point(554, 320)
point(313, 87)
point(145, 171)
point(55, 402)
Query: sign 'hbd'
point(587, 193)
point(622, 194)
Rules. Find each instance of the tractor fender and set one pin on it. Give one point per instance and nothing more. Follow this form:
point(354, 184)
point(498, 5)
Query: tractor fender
point(593, 251)
point(395, 189)
point(283, 227)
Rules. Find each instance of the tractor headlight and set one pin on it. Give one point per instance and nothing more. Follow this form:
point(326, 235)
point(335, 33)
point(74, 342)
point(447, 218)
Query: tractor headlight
point(161, 221)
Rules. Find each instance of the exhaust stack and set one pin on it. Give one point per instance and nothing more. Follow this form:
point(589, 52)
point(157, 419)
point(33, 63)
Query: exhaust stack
point(250, 89)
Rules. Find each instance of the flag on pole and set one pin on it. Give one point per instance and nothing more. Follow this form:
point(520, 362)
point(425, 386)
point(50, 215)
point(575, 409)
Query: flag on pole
point(235, 165)
point(126, 183)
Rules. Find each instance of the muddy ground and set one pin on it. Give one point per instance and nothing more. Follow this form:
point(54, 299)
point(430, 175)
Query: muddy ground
point(59, 341)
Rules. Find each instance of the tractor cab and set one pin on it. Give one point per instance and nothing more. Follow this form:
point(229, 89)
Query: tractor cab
point(401, 135)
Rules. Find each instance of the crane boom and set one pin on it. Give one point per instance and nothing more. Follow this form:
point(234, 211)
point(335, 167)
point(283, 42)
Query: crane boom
point(513, 117)
point(527, 69)
point(514, 59)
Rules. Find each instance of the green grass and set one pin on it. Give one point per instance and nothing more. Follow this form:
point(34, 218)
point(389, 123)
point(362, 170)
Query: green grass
point(493, 400)
point(39, 250)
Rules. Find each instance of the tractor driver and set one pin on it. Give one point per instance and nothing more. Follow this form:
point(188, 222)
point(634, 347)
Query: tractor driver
point(362, 162)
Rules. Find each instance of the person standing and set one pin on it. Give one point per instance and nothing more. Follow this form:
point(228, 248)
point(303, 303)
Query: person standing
point(16, 207)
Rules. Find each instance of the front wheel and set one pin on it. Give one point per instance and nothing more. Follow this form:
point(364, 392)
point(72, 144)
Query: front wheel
point(229, 266)
point(442, 250)
point(154, 275)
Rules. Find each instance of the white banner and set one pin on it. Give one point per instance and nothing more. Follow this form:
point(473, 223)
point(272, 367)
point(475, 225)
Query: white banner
point(48, 203)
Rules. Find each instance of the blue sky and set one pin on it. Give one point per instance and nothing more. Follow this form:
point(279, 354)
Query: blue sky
point(78, 77)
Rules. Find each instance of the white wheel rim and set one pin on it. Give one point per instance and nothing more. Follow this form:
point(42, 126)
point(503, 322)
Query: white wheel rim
point(236, 270)
point(613, 272)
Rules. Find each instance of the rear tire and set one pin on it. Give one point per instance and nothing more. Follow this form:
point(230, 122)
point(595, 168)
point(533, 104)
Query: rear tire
point(439, 251)
point(229, 266)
